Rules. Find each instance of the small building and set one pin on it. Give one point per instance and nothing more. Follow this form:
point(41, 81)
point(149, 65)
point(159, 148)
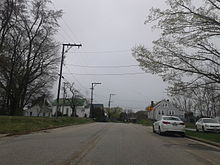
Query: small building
point(41, 107)
point(67, 105)
point(163, 108)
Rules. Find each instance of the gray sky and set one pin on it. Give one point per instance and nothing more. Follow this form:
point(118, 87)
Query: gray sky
point(108, 30)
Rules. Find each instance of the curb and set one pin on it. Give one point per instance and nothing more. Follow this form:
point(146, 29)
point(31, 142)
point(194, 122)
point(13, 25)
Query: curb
point(3, 135)
point(38, 130)
point(204, 141)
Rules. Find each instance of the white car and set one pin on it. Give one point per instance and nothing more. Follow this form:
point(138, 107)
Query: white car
point(169, 124)
point(207, 124)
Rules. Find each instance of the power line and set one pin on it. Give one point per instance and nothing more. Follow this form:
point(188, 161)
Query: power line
point(82, 86)
point(108, 74)
point(107, 66)
point(68, 27)
point(106, 51)
point(78, 91)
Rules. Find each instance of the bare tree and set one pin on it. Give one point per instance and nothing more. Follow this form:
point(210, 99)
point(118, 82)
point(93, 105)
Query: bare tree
point(187, 50)
point(74, 97)
point(28, 50)
point(203, 99)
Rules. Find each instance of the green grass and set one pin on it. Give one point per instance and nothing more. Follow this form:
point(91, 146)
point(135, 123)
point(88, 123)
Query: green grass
point(207, 136)
point(145, 122)
point(19, 125)
point(190, 125)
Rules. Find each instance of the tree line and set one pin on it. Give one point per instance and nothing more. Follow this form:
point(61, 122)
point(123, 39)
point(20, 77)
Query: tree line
point(28, 52)
point(187, 54)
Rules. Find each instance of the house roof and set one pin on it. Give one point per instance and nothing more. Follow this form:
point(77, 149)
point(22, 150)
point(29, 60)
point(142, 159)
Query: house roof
point(68, 101)
point(41, 101)
point(98, 105)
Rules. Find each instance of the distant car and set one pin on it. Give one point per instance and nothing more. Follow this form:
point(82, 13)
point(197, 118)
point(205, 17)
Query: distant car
point(169, 124)
point(207, 124)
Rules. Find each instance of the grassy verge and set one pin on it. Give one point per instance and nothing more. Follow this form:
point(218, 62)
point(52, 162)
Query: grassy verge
point(190, 125)
point(214, 137)
point(19, 125)
point(145, 122)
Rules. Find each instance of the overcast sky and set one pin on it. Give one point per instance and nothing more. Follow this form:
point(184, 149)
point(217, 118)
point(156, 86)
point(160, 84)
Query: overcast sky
point(108, 30)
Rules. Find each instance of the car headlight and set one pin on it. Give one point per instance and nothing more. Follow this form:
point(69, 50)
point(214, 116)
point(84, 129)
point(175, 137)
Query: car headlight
point(206, 125)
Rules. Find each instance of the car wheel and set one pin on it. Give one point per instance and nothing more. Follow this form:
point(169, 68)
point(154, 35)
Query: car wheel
point(159, 130)
point(154, 129)
point(203, 129)
point(197, 130)
point(183, 134)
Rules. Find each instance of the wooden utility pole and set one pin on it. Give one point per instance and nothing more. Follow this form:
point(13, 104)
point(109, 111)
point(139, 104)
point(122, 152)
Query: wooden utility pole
point(61, 71)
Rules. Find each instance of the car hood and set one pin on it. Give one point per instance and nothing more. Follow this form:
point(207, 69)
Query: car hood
point(212, 124)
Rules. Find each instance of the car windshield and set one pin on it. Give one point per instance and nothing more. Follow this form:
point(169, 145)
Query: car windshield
point(171, 118)
point(210, 121)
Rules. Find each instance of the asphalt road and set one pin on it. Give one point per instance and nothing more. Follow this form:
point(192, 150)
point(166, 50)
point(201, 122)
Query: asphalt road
point(104, 144)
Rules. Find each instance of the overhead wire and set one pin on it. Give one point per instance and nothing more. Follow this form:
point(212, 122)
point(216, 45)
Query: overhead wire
point(67, 36)
point(107, 74)
point(100, 66)
point(82, 86)
point(104, 52)
point(70, 83)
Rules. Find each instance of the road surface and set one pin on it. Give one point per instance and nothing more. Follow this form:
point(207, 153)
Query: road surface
point(104, 144)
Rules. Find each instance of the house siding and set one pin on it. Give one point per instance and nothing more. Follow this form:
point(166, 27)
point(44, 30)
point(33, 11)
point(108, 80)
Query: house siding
point(166, 108)
point(37, 111)
point(81, 111)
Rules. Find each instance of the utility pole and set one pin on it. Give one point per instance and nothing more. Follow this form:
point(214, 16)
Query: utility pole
point(91, 106)
point(109, 102)
point(61, 71)
point(64, 96)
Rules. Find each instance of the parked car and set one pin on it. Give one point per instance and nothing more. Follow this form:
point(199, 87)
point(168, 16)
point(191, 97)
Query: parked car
point(207, 124)
point(169, 124)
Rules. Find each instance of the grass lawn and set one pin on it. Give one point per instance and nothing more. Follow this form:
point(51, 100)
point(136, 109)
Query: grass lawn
point(190, 125)
point(145, 122)
point(19, 125)
point(215, 137)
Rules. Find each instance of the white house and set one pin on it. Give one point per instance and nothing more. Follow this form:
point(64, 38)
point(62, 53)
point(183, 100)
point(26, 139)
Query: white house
point(40, 107)
point(65, 107)
point(164, 107)
point(37, 110)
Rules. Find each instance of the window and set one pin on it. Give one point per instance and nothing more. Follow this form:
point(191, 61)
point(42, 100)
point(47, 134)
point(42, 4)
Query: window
point(170, 112)
point(159, 112)
point(210, 121)
point(31, 113)
point(173, 112)
point(162, 113)
point(171, 118)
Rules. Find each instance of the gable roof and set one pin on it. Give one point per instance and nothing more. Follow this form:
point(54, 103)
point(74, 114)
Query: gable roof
point(41, 101)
